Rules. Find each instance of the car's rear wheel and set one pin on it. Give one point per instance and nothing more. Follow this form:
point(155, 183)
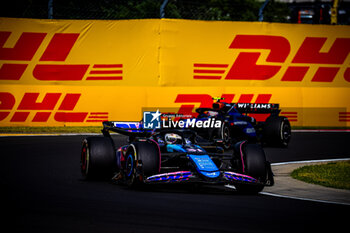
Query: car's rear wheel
point(97, 158)
point(277, 131)
point(224, 133)
point(254, 165)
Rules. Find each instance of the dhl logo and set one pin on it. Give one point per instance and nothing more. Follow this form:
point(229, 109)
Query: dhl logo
point(310, 52)
point(344, 116)
point(56, 51)
point(292, 116)
point(62, 105)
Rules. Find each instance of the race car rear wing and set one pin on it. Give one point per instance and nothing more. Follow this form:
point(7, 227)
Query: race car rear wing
point(256, 107)
point(123, 124)
point(245, 107)
point(128, 128)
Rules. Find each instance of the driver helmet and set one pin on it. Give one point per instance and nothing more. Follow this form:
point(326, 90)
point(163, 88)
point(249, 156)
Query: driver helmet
point(173, 138)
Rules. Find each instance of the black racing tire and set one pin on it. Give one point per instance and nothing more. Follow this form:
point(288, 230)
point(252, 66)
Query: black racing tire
point(224, 133)
point(97, 158)
point(130, 165)
point(254, 166)
point(277, 131)
point(149, 154)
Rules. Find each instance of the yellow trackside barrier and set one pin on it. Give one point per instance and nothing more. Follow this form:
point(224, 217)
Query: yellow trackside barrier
point(82, 72)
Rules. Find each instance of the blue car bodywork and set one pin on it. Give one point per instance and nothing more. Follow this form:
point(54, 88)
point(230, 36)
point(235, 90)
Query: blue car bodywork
point(239, 122)
point(150, 159)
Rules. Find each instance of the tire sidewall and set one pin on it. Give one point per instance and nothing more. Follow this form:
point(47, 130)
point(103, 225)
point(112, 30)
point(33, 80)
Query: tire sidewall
point(285, 131)
point(145, 152)
point(130, 165)
point(97, 158)
point(277, 131)
point(254, 161)
point(225, 135)
point(255, 166)
point(84, 159)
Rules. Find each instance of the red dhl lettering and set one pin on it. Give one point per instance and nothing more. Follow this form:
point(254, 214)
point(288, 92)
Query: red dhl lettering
point(25, 48)
point(59, 47)
point(344, 116)
point(57, 50)
point(292, 116)
point(245, 66)
point(43, 110)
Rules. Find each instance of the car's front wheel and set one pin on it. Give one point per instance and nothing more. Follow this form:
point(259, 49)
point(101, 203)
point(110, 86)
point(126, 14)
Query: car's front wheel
point(144, 156)
point(254, 165)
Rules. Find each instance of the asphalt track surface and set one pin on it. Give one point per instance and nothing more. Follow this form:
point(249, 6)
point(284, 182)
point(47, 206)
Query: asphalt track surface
point(42, 191)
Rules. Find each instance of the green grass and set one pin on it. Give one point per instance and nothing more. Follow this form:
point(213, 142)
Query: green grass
point(48, 130)
point(334, 175)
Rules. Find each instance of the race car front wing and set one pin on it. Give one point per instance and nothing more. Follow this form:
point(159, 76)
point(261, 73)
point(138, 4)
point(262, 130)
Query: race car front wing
point(225, 177)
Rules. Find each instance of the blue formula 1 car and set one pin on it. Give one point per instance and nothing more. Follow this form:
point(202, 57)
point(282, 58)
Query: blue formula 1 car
point(169, 156)
point(256, 123)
